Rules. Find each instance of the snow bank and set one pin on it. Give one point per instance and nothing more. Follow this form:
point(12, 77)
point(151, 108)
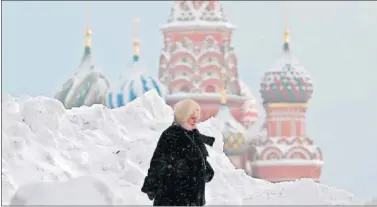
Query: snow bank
point(65, 193)
point(43, 142)
point(372, 202)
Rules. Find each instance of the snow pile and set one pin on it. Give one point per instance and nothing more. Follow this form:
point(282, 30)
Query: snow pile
point(372, 202)
point(96, 193)
point(112, 148)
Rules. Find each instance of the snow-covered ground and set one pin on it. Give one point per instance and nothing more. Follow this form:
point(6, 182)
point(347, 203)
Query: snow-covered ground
point(372, 202)
point(65, 193)
point(95, 155)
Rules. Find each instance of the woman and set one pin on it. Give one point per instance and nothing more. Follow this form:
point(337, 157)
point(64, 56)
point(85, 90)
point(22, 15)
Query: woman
point(179, 169)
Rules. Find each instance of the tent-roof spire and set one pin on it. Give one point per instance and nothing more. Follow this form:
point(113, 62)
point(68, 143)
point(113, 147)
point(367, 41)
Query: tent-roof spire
point(136, 41)
point(88, 32)
point(286, 30)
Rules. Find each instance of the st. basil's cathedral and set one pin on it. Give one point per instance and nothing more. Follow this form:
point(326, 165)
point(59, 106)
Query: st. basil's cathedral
point(199, 62)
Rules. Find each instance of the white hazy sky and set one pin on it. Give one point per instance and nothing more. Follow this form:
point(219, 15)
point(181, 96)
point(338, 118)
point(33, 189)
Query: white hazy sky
point(335, 41)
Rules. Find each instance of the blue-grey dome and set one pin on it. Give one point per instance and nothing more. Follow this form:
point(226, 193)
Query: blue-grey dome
point(88, 85)
point(132, 88)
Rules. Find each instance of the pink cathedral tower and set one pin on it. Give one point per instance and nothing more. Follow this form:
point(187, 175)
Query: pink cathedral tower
point(191, 61)
point(283, 151)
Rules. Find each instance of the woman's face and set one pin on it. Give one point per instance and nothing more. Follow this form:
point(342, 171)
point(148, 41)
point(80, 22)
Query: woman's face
point(193, 119)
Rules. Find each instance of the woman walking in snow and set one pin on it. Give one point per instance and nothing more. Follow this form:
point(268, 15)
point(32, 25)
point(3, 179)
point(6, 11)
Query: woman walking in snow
point(179, 168)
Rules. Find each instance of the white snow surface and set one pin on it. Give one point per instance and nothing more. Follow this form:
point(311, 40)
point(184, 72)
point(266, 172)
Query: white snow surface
point(372, 202)
point(96, 193)
point(95, 155)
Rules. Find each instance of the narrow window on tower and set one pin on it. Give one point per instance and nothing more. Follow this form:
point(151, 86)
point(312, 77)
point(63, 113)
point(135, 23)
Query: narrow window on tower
point(298, 126)
point(293, 127)
point(278, 127)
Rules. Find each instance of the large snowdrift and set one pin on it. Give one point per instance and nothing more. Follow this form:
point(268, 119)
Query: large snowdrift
point(111, 149)
point(65, 193)
point(372, 202)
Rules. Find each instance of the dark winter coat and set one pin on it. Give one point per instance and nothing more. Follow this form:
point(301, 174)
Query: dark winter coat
point(179, 168)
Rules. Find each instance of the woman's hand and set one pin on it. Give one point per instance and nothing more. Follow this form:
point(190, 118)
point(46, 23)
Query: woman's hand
point(151, 195)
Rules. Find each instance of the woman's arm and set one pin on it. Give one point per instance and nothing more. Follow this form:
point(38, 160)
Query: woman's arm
point(158, 166)
point(203, 139)
point(209, 171)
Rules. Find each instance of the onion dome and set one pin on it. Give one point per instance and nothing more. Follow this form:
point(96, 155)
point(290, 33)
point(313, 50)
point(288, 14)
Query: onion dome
point(133, 86)
point(288, 81)
point(249, 113)
point(233, 131)
point(88, 85)
point(234, 140)
point(234, 143)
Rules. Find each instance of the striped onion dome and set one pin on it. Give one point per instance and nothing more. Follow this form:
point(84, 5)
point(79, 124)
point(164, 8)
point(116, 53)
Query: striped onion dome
point(132, 88)
point(87, 86)
point(234, 143)
point(288, 81)
point(233, 132)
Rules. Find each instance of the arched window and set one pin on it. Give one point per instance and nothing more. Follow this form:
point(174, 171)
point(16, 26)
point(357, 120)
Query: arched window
point(272, 156)
point(210, 89)
point(185, 89)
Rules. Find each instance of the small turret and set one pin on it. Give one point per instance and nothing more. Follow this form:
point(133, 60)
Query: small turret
point(283, 150)
point(233, 131)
